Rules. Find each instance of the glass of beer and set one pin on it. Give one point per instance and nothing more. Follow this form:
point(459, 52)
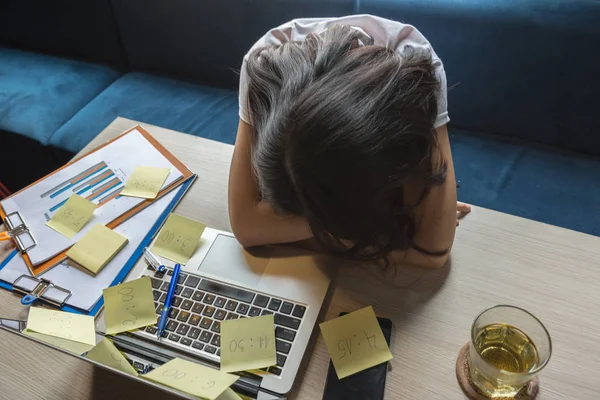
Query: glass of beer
point(509, 346)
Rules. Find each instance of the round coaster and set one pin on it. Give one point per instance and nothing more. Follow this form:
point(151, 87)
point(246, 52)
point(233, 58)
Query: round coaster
point(529, 391)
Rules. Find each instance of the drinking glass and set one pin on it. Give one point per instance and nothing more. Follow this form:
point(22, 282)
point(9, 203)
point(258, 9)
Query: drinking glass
point(509, 347)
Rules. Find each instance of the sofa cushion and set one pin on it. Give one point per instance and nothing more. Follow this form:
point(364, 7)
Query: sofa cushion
point(523, 69)
point(557, 188)
point(195, 109)
point(39, 93)
point(203, 40)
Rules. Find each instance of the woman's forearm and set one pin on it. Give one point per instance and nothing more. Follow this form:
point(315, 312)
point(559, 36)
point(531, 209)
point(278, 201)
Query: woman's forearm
point(436, 216)
point(254, 222)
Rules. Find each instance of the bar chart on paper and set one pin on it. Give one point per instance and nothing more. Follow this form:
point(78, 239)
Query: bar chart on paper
point(98, 183)
point(98, 177)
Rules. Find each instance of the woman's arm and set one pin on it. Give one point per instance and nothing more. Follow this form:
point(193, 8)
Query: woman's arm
point(254, 222)
point(436, 217)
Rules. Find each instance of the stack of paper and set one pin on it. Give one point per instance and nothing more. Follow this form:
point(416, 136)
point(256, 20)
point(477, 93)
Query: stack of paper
point(99, 177)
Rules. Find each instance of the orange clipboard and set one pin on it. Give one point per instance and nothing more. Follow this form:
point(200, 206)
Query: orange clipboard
point(187, 174)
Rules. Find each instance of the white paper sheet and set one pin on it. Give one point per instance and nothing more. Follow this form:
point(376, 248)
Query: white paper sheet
point(114, 164)
point(86, 288)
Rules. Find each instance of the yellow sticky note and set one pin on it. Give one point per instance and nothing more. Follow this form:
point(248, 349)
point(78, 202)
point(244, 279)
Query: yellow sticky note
point(178, 238)
point(229, 394)
point(248, 343)
point(72, 216)
point(96, 248)
point(145, 182)
point(355, 342)
point(192, 378)
point(75, 327)
point(129, 306)
point(69, 345)
point(107, 354)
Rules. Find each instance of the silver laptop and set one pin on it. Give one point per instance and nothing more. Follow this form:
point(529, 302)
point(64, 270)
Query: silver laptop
point(223, 281)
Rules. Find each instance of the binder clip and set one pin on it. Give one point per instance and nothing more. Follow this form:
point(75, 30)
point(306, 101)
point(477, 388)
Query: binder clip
point(39, 288)
point(19, 232)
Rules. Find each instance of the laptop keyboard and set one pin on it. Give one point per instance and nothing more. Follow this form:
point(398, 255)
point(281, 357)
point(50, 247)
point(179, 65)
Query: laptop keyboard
point(201, 304)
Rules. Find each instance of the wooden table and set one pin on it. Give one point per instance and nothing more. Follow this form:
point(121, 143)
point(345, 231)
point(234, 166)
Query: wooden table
point(497, 259)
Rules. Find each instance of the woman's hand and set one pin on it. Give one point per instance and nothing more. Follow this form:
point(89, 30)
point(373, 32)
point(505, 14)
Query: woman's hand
point(462, 209)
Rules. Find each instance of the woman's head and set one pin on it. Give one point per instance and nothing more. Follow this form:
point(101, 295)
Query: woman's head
point(341, 132)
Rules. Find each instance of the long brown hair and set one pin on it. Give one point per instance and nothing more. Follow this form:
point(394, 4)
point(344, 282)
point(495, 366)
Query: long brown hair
point(340, 130)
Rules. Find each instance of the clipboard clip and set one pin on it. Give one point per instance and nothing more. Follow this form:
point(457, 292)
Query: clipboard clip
point(40, 288)
point(19, 232)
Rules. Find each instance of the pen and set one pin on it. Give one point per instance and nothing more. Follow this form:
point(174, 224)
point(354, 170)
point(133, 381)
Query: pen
point(170, 294)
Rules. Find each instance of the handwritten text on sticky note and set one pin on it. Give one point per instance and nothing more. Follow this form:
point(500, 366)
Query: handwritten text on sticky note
point(69, 345)
point(129, 306)
point(72, 216)
point(192, 378)
point(75, 327)
point(355, 342)
point(145, 182)
point(178, 238)
point(248, 343)
point(107, 354)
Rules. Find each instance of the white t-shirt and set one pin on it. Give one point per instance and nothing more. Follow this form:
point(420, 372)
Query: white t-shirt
point(384, 32)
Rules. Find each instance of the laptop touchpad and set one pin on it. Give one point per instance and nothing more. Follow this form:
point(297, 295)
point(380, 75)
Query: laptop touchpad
point(227, 259)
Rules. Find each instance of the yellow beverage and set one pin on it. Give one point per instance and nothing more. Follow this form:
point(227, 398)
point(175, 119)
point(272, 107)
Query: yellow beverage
point(507, 348)
point(506, 354)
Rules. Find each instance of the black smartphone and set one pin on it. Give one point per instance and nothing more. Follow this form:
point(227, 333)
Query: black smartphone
point(364, 385)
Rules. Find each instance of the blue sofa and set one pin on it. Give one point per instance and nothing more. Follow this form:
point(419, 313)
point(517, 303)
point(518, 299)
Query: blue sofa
point(522, 75)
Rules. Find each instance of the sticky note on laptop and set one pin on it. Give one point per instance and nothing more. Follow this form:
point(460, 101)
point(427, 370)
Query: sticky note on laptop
point(355, 342)
point(107, 354)
point(248, 343)
point(68, 345)
point(75, 327)
point(96, 248)
point(145, 182)
point(178, 238)
point(192, 378)
point(229, 394)
point(129, 306)
point(72, 216)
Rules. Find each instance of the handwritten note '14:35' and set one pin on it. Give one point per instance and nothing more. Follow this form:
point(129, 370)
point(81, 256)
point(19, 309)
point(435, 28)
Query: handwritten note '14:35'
point(129, 306)
point(355, 342)
point(178, 238)
point(192, 378)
